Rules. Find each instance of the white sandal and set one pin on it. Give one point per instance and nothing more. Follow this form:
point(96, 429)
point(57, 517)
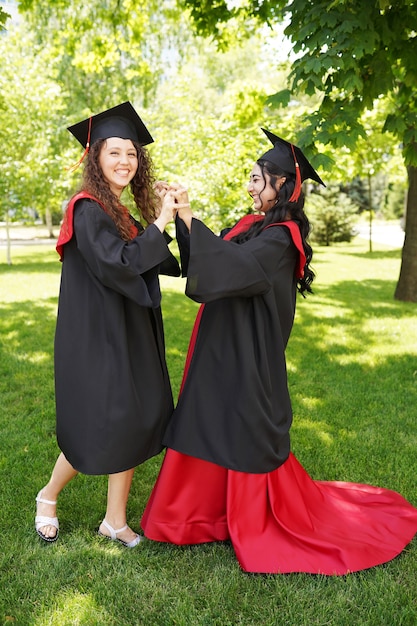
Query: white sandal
point(42, 520)
point(113, 535)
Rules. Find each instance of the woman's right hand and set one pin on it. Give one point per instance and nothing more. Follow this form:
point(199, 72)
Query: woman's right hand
point(183, 205)
point(168, 211)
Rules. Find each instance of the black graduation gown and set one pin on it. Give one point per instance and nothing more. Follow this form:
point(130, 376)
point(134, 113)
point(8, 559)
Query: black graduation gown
point(113, 394)
point(234, 409)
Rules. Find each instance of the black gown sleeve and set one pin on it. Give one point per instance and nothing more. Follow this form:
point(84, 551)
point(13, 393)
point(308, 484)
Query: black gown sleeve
point(170, 265)
point(224, 269)
point(128, 267)
point(183, 240)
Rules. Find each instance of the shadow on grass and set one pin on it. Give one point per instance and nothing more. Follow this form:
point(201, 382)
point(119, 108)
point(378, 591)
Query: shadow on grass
point(363, 298)
point(354, 399)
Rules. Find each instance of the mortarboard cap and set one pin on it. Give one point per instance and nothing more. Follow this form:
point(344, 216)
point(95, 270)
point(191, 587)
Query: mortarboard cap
point(287, 156)
point(119, 121)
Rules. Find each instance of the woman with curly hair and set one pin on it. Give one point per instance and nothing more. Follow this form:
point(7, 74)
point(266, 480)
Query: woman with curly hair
point(113, 394)
point(228, 473)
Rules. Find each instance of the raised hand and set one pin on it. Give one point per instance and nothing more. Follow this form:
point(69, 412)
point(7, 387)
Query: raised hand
point(167, 212)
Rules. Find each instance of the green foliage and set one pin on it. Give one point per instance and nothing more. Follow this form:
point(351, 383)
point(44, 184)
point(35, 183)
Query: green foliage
point(332, 215)
point(210, 17)
point(354, 53)
point(3, 18)
point(31, 130)
point(351, 52)
point(217, 134)
point(350, 347)
point(102, 53)
point(203, 108)
point(379, 193)
point(358, 192)
point(393, 204)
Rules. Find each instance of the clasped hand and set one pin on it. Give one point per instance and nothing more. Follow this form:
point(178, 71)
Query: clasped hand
point(174, 199)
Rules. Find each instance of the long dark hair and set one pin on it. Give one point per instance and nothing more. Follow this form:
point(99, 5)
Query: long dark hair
point(283, 211)
point(141, 186)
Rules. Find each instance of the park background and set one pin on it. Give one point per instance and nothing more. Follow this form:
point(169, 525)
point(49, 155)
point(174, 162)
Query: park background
point(205, 76)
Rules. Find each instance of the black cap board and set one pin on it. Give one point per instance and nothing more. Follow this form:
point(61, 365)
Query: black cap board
point(120, 121)
point(282, 155)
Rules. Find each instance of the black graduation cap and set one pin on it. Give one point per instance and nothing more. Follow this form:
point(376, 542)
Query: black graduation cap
point(287, 156)
point(120, 121)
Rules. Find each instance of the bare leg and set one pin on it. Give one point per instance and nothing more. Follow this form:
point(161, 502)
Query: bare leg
point(117, 495)
point(62, 473)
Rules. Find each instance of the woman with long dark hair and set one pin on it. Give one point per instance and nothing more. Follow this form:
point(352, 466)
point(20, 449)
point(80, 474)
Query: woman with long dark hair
point(228, 473)
point(113, 394)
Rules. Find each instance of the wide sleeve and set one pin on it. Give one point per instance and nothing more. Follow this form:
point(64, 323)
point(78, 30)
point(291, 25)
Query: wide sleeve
point(224, 269)
point(183, 241)
point(128, 267)
point(170, 266)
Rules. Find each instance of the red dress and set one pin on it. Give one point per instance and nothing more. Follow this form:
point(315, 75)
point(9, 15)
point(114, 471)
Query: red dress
point(278, 521)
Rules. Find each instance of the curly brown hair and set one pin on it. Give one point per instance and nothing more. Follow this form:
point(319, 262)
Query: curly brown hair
point(141, 187)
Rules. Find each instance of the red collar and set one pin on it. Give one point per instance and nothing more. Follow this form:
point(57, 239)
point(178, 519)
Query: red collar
point(67, 226)
point(246, 222)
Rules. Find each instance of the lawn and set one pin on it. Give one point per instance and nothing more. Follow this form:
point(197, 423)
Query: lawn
point(352, 362)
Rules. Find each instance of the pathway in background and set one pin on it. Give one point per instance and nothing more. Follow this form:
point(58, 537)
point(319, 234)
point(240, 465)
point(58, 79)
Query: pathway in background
point(388, 233)
point(27, 235)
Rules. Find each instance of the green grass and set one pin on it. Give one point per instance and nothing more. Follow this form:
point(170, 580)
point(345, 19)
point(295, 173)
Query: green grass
point(353, 379)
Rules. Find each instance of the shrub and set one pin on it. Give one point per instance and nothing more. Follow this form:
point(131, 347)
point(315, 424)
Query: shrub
point(332, 215)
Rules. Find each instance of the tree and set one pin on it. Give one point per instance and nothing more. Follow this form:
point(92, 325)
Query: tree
point(208, 127)
point(203, 108)
point(353, 53)
point(60, 64)
point(332, 215)
point(30, 130)
point(103, 48)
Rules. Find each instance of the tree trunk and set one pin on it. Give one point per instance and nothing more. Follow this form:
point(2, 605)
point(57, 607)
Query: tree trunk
point(8, 242)
point(407, 283)
point(371, 208)
point(48, 221)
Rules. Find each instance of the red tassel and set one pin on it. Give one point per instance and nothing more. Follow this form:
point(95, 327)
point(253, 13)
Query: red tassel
point(297, 186)
point(87, 148)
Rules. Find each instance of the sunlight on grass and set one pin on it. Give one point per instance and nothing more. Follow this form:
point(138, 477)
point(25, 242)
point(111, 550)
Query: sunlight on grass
point(38, 288)
point(73, 609)
point(35, 357)
point(320, 429)
point(172, 282)
point(311, 403)
point(174, 352)
point(34, 275)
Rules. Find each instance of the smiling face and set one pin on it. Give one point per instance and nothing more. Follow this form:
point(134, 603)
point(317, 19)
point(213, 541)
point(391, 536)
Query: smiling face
point(263, 193)
point(119, 163)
